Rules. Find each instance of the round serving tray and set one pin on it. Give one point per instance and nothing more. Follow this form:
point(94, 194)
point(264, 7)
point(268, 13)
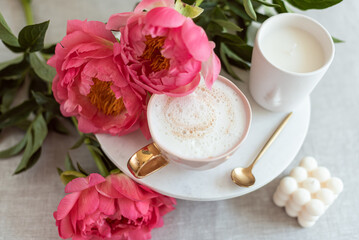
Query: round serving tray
point(216, 183)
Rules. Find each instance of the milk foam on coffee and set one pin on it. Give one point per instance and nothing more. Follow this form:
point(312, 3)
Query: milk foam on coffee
point(203, 124)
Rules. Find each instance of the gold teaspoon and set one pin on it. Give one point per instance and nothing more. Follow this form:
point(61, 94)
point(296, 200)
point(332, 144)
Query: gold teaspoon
point(243, 176)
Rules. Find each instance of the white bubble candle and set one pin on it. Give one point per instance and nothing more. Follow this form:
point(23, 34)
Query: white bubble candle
point(307, 192)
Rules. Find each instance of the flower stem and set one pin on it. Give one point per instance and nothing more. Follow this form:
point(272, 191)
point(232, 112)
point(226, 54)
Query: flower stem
point(26, 4)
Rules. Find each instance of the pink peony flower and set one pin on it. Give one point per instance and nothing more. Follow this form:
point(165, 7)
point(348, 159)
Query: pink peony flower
point(90, 86)
point(162, 51)
point(113, 208)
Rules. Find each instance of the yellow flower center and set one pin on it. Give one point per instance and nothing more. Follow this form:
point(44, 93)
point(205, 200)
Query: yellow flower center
point(104, 99)
point(153, 53)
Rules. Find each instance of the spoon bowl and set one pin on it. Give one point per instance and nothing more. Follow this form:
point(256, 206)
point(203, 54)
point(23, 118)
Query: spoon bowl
point(244, 177)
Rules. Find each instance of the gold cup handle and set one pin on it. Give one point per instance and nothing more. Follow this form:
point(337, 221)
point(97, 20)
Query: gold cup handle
point(145, 161)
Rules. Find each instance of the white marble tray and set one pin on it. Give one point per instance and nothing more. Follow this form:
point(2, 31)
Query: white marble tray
point(216, 184)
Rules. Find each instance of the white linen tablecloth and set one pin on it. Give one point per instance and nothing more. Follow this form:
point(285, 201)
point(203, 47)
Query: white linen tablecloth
point(28, 200)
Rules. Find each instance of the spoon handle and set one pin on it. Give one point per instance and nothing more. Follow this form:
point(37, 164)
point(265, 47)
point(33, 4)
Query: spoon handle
point(272, 138)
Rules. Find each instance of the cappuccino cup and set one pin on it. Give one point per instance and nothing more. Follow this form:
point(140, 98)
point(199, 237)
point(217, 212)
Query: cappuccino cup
point(198, 131)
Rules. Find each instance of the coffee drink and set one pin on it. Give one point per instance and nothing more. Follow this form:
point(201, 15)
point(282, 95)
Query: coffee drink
point(204, 124)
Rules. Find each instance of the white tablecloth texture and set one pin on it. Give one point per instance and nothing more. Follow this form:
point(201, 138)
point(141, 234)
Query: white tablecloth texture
point(28, 200)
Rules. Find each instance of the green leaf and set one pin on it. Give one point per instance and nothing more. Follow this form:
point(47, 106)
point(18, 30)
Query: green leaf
point(8, 90)
point(244, 51)
point(7, 99)
point(231, 54)
point(115, 171)
point(23, 125)
point(109, 164)
point(248, 6)
point(96, 155)
point(15, 70)
point(97, 150)
point(6, 34)
point(337, 40)
point(14, 149)
point(261, 17)
point(17, 114)
point(41, 68)
point(81, 169)
point(14, 48)
point(11, 62)
point(79, 142)
point(33, 159)
point(208, 5)
point(49, 49)
point(227, 37)
point(69, 166)
point(225, 61)
point(47, 102)
point(228, 25)
point(267, 3)
point(32, 36)
point(59, 171)
point(188, 10)
point(313, 4)
point(239, 10)
point(36, 135)
point(236, 59)
point(27, 153)
point(39, 128)
point(213, 29)
point(68, 176)
point(37, 84)
point(56, 125)
point(217, 13)
point(198, 2)
point(283, 8)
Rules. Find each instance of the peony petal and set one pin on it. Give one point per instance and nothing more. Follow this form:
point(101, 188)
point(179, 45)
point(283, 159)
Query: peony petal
point(126, 186)
point(156, 219)
point(128, 208)
point(143, 206)
point(65, 228)
point(210, 70)
point(132, 102)
point(118, 20)
point(80, 184)
point(165, 17)
point(144, 126)
point(104, 229)
point(88, 202)
point(96, 28)
point(66, 204)
point(74, 217)
point(147, 5)
point(196, 40)
point(106, 189)
point(73, 25)
point(86, 126)
point(184, 90)
point(79, 237)
point(164, 209)
point(104, 70)
point(52, 61)
point(143, 233)
point(107, 205)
